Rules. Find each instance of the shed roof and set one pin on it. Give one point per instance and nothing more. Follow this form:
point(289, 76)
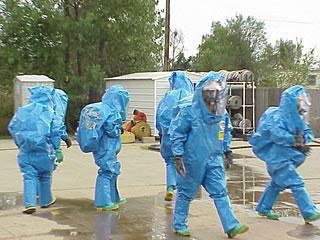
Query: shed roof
point(34, 78)
point(150, 76)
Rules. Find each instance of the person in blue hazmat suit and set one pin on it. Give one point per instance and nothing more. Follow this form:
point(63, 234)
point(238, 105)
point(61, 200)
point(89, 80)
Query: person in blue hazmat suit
point(280, 141)
point(100, 129)
point(228, 159)
point(60, 101)
point(180, 87)
point(196, 136)
point(37, 131)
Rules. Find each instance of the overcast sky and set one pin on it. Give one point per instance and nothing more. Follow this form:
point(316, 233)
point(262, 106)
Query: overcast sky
point(286, 19)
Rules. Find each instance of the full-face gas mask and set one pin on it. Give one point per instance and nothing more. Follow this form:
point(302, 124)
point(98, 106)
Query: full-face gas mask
point(214, 96)
point(304, 105)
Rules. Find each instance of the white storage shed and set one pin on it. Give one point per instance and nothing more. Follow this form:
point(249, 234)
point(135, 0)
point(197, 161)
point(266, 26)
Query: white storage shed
point(23, 82)
point(145, 91)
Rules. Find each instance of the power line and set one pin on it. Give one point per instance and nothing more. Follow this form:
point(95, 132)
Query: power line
point(291, 21)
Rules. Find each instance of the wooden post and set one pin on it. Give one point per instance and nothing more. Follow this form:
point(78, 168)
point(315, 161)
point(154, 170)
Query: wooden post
point(166, 66)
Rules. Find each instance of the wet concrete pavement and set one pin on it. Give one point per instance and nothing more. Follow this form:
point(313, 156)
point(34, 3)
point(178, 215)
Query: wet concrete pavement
point(146, 215)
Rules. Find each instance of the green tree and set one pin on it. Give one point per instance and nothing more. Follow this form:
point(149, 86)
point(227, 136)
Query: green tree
point(30, 39)
point(237, 44)
point(181, 63)
point(287, 65)
point(78, 42)
point(176, 47)
point(66, 35)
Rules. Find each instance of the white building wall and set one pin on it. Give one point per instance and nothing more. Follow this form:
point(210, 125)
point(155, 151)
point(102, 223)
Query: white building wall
point(21, 85)
point(141, 97)
point(162, 86)
point(145, 92)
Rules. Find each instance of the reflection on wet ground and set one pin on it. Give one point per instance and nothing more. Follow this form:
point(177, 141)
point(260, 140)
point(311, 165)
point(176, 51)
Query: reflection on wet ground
point(140, 218)
point(306, 232)
point(151, 217)
point(245, 187)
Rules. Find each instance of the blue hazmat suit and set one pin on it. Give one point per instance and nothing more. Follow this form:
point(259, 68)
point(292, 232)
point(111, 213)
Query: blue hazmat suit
point(273, 142)
point(227, 133)
point(180, 87)
point(197, 135)
point(227, 141)
point(105, 142)
point(37, 133)
point(60, 100)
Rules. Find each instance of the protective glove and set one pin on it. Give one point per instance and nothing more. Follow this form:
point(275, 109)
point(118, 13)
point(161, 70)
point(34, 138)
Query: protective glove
point(68, 142)
point(228, 160)
point(122, 130)
point(59, 155)
point(299, 140)
point(305, 149)
point(160, 137)
point(179, 165)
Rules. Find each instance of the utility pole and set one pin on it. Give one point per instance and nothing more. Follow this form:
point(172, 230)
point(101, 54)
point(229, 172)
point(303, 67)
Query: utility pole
point(166, 66)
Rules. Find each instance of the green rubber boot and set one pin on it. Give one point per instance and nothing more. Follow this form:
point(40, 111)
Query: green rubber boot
point(270, 215)
point(110, 207)
point(237, 230)
point(313, 217)
point(50, 204)
point(29, 210)
point(183, 232)
point(169, 193)
point(120, 201)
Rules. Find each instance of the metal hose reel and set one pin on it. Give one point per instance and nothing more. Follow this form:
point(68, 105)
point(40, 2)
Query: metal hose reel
point(234, 102)
point(245, 123)
point(238, 76)
point(238, 121)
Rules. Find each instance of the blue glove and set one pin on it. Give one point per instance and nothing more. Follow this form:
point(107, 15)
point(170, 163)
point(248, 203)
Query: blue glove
point(59, 155)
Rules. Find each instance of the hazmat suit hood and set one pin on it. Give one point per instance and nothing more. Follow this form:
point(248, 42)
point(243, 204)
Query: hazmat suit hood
point(288, 109)
point(198, 101)
point(180, 80)
point(61, 102)
point(117, 97)
point(42, 95)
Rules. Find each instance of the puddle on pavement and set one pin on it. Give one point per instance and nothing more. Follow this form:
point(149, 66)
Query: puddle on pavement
point(139, 218)
point(306, 232)
point(246, 186)
point(151, 217)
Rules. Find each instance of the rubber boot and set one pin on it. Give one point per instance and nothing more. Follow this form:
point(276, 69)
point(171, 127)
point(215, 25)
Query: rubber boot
point(312, 218)
point(270, 215)
point(110, 207)
point(237, 230)
point(29, 210)
point(183, 232)
point(169, 194)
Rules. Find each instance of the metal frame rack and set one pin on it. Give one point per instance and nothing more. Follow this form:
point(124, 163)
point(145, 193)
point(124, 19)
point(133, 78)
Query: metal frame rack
point(244, 86)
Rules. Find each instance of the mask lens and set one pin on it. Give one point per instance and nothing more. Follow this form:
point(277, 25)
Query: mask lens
point(214, 94)
point(304, 104)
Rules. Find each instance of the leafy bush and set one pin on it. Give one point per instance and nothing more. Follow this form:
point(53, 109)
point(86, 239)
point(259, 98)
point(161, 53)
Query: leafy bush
point(6, 108)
